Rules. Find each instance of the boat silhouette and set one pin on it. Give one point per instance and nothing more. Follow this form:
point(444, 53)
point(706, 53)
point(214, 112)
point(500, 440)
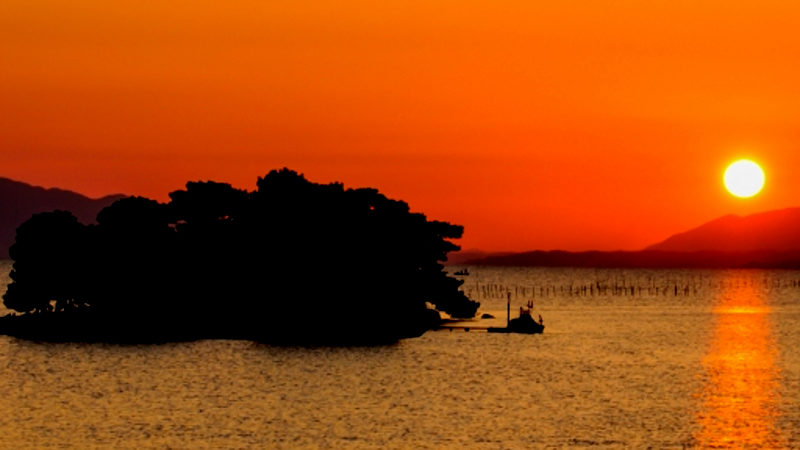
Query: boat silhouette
point(523, 324)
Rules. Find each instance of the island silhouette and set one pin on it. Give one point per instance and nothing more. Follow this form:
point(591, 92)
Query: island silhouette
point(291, 262)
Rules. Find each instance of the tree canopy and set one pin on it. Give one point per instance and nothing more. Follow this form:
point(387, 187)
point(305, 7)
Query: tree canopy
point(292, 260)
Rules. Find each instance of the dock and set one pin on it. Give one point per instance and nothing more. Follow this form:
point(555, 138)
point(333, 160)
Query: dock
point(465, 328)
point(524, 324)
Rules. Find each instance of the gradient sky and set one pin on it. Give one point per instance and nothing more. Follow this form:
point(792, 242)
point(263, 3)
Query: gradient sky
point(536, 125)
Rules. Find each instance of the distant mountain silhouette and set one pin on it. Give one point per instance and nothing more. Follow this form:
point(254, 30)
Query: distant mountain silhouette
point(647, 259)
point(766, 240)
point(464, 256)
point(19, 201)
point(777, 230)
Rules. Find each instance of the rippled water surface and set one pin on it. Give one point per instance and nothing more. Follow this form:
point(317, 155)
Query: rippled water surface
point(629, 358)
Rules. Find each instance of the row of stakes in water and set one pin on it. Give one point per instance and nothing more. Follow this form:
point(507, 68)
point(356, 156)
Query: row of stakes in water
point(500, 291)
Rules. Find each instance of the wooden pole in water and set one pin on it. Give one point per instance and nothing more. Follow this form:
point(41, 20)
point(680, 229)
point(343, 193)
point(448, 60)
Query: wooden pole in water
point(508, 311)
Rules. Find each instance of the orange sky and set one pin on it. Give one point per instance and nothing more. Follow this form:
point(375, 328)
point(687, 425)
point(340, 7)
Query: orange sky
point(537, 125)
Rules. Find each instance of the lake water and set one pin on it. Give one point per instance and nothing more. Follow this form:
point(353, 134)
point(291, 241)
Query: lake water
point(629, 358)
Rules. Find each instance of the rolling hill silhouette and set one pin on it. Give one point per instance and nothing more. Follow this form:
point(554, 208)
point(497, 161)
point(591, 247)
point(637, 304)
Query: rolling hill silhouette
point(19, 201)
point(777, 230)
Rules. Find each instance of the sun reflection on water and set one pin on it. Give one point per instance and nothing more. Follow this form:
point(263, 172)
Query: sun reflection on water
point(740, 397)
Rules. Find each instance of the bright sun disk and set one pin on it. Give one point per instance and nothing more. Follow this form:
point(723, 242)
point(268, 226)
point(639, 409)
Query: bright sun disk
point(744, 178)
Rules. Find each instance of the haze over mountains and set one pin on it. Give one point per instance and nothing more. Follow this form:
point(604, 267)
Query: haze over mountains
point(19, 201)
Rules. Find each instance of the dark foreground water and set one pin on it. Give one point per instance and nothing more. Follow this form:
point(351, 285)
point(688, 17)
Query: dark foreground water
point(629, 359)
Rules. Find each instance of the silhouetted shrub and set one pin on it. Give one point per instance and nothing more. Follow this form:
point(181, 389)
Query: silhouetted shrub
point(293, 261)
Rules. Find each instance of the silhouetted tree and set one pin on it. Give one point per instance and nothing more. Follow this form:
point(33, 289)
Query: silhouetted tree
point(133, 252)
point(47, 272)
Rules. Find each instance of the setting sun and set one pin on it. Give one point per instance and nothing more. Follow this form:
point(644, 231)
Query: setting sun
point(744, 178)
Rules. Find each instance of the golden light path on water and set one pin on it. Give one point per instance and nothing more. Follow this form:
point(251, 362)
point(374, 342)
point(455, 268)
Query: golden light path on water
point(740, 398)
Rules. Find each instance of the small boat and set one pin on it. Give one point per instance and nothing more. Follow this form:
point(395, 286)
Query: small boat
point(523, 324)
point(462, 272)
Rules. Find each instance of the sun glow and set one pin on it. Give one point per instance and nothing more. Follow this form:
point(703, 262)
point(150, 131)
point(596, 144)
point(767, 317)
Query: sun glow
point(744, 178)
